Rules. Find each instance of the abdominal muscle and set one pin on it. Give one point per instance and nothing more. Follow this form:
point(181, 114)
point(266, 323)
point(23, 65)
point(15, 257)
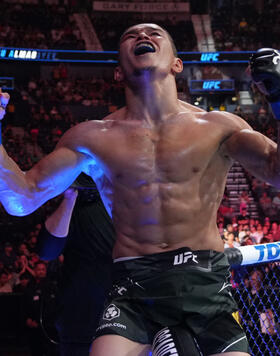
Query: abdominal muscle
point(164, 224)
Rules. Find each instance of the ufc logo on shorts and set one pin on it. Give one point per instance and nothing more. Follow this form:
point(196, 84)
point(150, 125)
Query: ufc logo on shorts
point(185, 258)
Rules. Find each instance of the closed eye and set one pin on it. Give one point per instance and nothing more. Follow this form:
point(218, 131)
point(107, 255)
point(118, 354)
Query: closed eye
point(130, 36)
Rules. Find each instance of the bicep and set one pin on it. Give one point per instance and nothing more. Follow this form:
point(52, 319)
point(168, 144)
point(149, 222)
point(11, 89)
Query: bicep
point(256, 153)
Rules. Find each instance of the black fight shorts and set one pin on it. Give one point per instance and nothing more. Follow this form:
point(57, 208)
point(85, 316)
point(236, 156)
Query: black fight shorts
point(185, 288)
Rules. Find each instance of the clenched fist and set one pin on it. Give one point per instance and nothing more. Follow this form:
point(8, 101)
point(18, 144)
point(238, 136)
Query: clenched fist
point(4, 99)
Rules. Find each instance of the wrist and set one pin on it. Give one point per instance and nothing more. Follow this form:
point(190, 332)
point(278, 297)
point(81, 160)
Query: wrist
point(275, 107)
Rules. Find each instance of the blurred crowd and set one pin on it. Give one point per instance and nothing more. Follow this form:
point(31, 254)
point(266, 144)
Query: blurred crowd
point(39, 25)
point(245, 25)
point(236, 25)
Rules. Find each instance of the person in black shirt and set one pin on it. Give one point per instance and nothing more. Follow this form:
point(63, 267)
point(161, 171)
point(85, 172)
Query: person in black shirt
point(39, 295)
point(243, 218)
point(86, 270)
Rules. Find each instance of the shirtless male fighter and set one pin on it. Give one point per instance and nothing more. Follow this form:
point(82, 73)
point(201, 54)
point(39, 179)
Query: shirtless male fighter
point(167, 163)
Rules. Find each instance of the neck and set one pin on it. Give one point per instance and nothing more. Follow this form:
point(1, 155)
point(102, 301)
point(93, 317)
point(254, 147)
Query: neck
point(151, 100)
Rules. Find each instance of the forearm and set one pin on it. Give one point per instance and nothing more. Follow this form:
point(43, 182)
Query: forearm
point(22, 193)
point(49, 247)
point(15, 192)
point(52, 237)
point(58, 222)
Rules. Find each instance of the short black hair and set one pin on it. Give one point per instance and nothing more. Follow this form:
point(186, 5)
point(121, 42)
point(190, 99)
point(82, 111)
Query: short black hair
point(175, 52)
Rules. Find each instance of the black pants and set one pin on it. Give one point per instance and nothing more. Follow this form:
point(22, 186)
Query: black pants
point(74, 349)
point(39, 345)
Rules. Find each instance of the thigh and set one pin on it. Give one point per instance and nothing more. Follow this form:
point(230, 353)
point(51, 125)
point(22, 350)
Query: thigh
point(223, 336)
point(108, 345)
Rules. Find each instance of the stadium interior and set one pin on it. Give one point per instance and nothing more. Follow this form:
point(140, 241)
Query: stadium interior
point(53, 86)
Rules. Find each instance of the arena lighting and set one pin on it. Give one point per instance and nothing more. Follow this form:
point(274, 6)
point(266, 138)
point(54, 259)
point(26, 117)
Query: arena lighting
point(111, 57)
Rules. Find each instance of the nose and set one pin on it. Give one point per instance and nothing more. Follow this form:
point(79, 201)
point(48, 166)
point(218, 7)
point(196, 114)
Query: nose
point(143, 35)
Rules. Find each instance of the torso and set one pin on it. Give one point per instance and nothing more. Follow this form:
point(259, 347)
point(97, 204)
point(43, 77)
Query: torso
point(167, 181)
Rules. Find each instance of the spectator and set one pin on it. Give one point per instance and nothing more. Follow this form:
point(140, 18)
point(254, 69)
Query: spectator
point(261, 313)
point(226, 210)
point(243, 201)
point(229, 229)
point(258, 235)
point(257, 187)
point(265, 202)
point(231, 241)
point(39, 290)
point(254, 234)
point(276, 202)
point(23, 250)
point(275, 231)
point(7, 282)
point(8, 257)
point(32, 243)
point(24, 280)
point(23, 266)
point(245, 233)
point(243, 218)
point(267, 239)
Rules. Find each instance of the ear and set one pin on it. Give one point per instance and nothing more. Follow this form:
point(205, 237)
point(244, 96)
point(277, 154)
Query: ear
point(177, 66)
point(118, 74)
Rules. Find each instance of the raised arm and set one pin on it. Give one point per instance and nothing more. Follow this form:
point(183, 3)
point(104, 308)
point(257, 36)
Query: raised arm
point(256, 152)
point(23, 192)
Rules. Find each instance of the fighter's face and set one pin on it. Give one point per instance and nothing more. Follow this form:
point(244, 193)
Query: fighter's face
point(146, 47)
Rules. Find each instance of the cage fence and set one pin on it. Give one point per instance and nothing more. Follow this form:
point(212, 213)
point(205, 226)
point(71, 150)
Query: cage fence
point(256, 289)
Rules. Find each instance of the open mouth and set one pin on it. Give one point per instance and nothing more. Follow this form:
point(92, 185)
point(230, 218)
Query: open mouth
point(144, 47)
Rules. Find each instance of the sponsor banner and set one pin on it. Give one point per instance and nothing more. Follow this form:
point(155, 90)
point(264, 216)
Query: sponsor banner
point(141, 6)
point(260, 253)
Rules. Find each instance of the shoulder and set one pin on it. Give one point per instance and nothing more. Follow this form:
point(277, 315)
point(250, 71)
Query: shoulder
point(231, 122)
point(81, 133)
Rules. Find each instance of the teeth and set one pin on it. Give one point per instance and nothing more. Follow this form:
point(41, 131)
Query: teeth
point(144, 44)
point(143, 47)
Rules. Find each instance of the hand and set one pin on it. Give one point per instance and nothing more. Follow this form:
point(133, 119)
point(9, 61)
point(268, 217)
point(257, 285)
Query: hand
point(24, 261)
point(71, 193)
point(265, 71)
point(4, 99)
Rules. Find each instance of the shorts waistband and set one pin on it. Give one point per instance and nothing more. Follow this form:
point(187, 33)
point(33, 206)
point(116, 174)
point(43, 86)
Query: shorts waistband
point(182, 258)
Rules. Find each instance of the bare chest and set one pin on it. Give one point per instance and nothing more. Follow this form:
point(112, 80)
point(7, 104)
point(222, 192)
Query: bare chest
point(171, 154)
